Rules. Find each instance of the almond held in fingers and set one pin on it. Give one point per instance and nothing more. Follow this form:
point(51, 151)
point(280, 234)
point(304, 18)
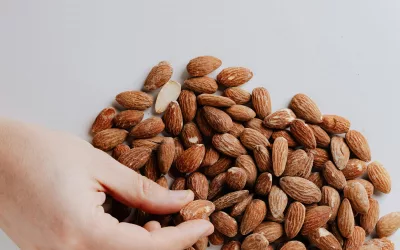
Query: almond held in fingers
point(148, 128)
point(203, 65)
point(240, 113)
point(214, 101)
point(379, 177)
point(234, 76)
point(109, 138)
point(300, 189)
point(228, 145)
point(303, 134)
point(261, 101)
point(158, 76)
point(173, 119)
point(190, 160)
point(280, 119)
point(187, 102)
point(201, 85)
point(335, 124)
point(305, 108)
point(104, 120)
point(134, 100)
point(358, 145)
point(238, 95)
point(218, 119)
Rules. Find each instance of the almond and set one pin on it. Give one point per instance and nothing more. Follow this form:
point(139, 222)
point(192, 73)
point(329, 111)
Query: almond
point(201, 244)
point(368, 221)
point(104, 120)
point(293, 245)
point(303, 134)
point(165, 154)
point(294, 219)
point(335, 124)
point(168, 93)
point(306, 172)
point(228, 145)
point(151, 143)
point(119, 150)
point(280, 119)
point(202, 84)
point(179, 184)
point(247, 164)
point(262, 158)
point(358, 197)
point(379, 177)
point(178, 148)
point(261, 102)
point(322, 138)
point(230, 199)
point(224, 223)
point(340, 152)
point(214, 101)
point(317, 179)
point(203, 65)
point(135, 158)
point(236, 129)
point(211, 156)
point(220, 166)
point(257, 124)
point(316, 218)
point(134, 100)
point(128, 118)
point(331, 198)
point(263, 184)
point(277, 200)
point(356, 239)
point(271, 230)
point(321, 156)
point(234, 76)
point(279, 155)
point(333, 176)
point(296, 163)
point(335, 231)
point(287, 135)
point(236, 178)
point(190, 160)
point(251, 138)
point(162, 181)
point(191, 135)
point(148, 128)
point(305, 108)
point(240, 113)
point(173, 119)
point(324, 239)
point(216, 185)
point(203, 125)
point(238, 95)
point(109, 138)
point(367, 185)
point(300, 189)
point(232, 245)
point(253, 216)
point(198, 209)
point(345, 219)
point(151, 170)
point(381, 244)
point(255, 242)
point(388, 225)
point(355, 168)
point(198, 183)
point(187, 102)
point(358, 145)
point(218, 119)
point(216, 238)
point(158, 76)
point(240, 207)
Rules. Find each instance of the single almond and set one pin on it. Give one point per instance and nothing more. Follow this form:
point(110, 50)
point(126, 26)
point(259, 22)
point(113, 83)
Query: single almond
point(358, 197)
point(214, 101)
point(231, 245)
point(198, 209)
point(220, 166)
point(317, 179)
point(367, 185)
point(203, 125)
point(216, 185)
point(388, 224)
point(203, 84)
point(277, 201)
point(224, 223)
point(191, 135)
point(355, 168)
point(316, 218)
point(165, 154)
point(203, 65)
point(306, 172)
point(173, 119)
point(236, 129)
point(321, 156)
point(104, 120)
point(263, 184)
point(201, 244)
point(294, 219)
point(293, 245)
point(162, 181)
point(335, 124)
point(356, 239)
point(296, 163)
point(178, 148)
point(345, 219)
point(381, 244)
point(368, 221)
point(148, 128)
point(262, 158)
point(241, 206)
point(228, 145)
point(109, 138)
point(236, 178)
point(218, 119)
point(152, 143)
point(340, 152)
point(230, 199)
point(305, 108)
point(279, 156)
point(300, 189)
point(179, 184)
point(238, 95)
point(358, 145)
point(255, 242)
point(168, 93)
point(247, 164)
point(303, 134)
point(119, 150)
point(280, 119)
point(257, 124)
point(322, 138)
point(134, 100)
point(150, 169)
point(333, 176)
point(234, 76)
point(216, 238)
point(211, 156)
point(187, 102)
point(379, 177)
point(198, 183)
point(190, 160)
point(240, 113)
point(158, 76)
point(287, 135)
point(324, 240)
point(251, 138)
point(261, 101)
point(128, 118)
point(253, 216)
point(135, 158)
point(271, 230)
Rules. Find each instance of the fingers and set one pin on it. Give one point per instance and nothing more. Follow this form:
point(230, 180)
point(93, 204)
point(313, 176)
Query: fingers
point(137, 191)
point(152, 226)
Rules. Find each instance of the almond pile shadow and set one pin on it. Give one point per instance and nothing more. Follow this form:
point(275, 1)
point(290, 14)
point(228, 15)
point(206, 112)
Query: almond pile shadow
point(290, 179)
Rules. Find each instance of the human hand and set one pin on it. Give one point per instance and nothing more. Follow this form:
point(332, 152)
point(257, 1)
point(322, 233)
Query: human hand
point(53, 185)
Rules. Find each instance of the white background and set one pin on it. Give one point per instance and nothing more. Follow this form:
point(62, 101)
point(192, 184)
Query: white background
point(63, 61)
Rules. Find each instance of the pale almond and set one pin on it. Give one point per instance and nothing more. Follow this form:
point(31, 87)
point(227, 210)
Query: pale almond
point(340, 152)
point(379, 177)
point(279, 155)
point(293, 245)
point(378, 244)
point(280, 119)
point(388, 224)
point(358, 197)
point(277, 201)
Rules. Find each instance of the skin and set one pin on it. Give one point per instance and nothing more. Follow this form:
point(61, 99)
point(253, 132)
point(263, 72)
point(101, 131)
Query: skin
point(53, 185)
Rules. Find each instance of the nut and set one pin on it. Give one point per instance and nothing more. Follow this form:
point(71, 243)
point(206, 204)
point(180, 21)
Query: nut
point(203, 65)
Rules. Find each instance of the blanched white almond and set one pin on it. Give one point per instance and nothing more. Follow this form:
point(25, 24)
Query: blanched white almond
point(168, 93)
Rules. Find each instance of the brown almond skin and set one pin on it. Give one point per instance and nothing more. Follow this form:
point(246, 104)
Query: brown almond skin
point(358, 144)
point(203, 84)
point(234, 76)
point(261, 101)
point(382, 244)
point(236, 129)
point(178, 148)
point(331, 198)
point(335, 124)
point(240, 207)
point(303, 134)
point(247, 164)
point(119, 150)
point(220, 166)
point(198, 183)
point(218, 119)
point(257, 124)
point(280, 119)
point(162, 181)
point(238, 95)
point(296, 163)
point(173, 119)
point(134, 100)
point(300, 189)
point(321, 156)
point(240, 113)
point(379, 177)
point(255, 242)
point(345, 219)
point(214, 101)
point(191, 135)
point(216, 186)
point(250, 138)
point(322, 138)
point(355, 168)
point(198, 209)
point(228, 145)
point(188, 103)
point(165, 154)
point(232, 245)
point(293, 245)
point(152, 143)
point(340, 152)
point(335, 231)
point(315, 218)
point(224, 223)
point(305, 108)
point(333, 176)
point(357, 196)
point(203, 65)
point(324, 239)
point(201, 244)
point(216, 238)
point(190, 160)
point(317, 179)
point(271, 230)
point(210, 157)
point(356, 239)
point(202, 124)
point(306, 172)
point(368, 221)
point(150, 169)
point(388, 224)
point(148, 128)
point(230, 199)
point(104, 120)
point(128, 118)
point(294, 219)
point(279, 155)
point(179, 184)
point(109, 138)
point(236, 178)
point(263, 158)
point(263, 184)
point(253, 216)
point(158, 76)
point(367, 185)
point(277, 201)
point(287, 135)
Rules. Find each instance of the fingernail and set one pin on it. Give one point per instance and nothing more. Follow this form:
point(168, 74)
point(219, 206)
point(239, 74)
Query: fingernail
point(182, 195)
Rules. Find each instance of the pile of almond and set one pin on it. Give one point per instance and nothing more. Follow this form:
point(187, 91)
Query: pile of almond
point(286, 179)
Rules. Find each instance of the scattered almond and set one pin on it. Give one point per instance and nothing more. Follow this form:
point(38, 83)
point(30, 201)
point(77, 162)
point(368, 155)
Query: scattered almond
point(333, 176)
point(358, 145)
point(104, 120)
point(262, 158)
point(134, 100)
point(279, 155)
point(190, 160)
point(202, 84)
point(379, 177)
point(368, 221)
point(238, 95)
point(218, 119)
point(340, 152)
point(388, 224)
point(247, 164)
point(253, 216)
point(214, 101)
point(203, 65)
point(257, 124)
point(277, 201)
point(187, 102)
point(303, 134)
point(358, 197)
point(166, 153)
point(109, 138)
point(198, 183)
point(191, 135)
point(234, 76)
point(316, 218)
point(224, 223)
point(345, 219)
point(236, 178)
point(255, 242)
point(173, 119)
point(335, 124)
point(240, 113)
point(300, 189)
point(261, 101)
point(135, 158)
point(294, 219)
point(280, 119)
point(148, 128)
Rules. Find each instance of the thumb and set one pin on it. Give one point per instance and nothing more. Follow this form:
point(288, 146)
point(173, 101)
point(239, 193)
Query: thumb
point(135, 190)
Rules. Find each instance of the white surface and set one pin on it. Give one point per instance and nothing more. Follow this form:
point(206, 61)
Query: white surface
point(62, 61)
